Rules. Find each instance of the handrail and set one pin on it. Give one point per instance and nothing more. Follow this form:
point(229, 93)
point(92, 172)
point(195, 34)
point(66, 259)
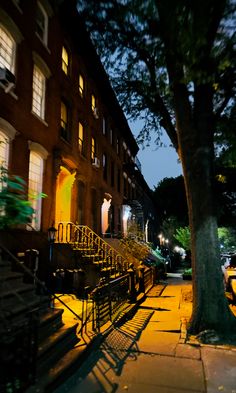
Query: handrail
point(81, 234)
point(36, 279)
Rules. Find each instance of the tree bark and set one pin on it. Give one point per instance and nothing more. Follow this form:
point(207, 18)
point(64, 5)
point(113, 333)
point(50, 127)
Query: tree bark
point(210, 306)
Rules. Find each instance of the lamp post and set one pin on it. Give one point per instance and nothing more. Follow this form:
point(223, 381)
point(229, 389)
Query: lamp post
point(51, 238)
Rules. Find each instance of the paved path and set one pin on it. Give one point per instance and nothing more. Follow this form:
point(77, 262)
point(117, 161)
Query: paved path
point(146, 354)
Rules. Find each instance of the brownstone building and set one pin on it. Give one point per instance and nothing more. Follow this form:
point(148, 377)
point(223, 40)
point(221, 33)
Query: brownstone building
point(61, 126)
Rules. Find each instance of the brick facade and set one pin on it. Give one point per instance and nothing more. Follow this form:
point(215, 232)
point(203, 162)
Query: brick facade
point(70, 179)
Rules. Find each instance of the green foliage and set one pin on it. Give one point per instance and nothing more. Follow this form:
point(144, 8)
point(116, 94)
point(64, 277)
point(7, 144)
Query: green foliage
point(171, 201)
point(183, 236)
point(15, 208)
point(132, 245)
point(227, 238)
point(134, 42)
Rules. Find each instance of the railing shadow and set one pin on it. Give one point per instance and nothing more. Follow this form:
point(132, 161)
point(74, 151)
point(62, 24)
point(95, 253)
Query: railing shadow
point(98, 373)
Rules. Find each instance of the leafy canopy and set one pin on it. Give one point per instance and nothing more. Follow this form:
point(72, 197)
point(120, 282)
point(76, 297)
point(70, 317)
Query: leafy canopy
point(136, 43)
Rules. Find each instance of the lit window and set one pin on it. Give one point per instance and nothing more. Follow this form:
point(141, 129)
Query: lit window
point(93, 102)
point(4, 150)
point(35, 187)
point(81, 85)
point(7, 50)
point(93, 149)
point(41, 23)
point(81, 138)
point(39, 84)
point(65, 61)
point(64, 121)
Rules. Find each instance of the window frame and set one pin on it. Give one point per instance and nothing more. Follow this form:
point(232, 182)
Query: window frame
point(80, 138)
point(64, 129)
point(81, 86)
point(11, 64)
point(65, 65)
point(4, 139)
point(42, 97)
point(44, 37)
point(93, 148)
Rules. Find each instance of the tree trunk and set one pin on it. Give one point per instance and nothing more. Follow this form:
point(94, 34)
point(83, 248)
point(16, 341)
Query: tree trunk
point(210, 306)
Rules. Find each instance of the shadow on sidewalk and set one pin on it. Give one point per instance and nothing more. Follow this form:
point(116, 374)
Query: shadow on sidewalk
point(108, 358)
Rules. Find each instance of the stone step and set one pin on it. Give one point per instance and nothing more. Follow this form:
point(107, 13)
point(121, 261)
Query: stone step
point(5, 266)
point(61, 370)
point(56, 345)
point(18, 310)
point(21, 293)
point(10, 278)
point(50, 321)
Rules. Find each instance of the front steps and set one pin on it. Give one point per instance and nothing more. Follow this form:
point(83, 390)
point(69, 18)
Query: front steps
point(55, 350)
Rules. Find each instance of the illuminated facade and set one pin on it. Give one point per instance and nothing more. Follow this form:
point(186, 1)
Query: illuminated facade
point(65, 132)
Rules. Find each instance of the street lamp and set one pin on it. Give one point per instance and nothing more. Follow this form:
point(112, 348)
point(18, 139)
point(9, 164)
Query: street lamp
point(160, 239)
point(51, 238)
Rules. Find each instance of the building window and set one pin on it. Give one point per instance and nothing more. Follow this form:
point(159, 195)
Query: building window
point(104, 166)
point(81, 138)
point(4, 150)
point(81, 85)
point(104, 126)
point(64, 121)
point(41, 23)
point(118, 146)
point(39, 87)
point(65, 61)
point(35, 187)
point(111, 136)
point(7, 50)
point(93, 103)
point(93, 149)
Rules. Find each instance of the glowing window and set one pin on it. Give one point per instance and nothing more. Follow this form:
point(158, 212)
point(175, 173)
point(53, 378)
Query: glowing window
point(65, 61)
point(93, 102)
point(38, 100)
point(81, 138)
point(64, 121)
point(81, 85)
point(93, 148)
point(41, 23)
point(7, 50)
point(35, 187)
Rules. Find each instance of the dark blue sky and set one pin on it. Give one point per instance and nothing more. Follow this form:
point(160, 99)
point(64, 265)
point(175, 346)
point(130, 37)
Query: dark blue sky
point(157, 163)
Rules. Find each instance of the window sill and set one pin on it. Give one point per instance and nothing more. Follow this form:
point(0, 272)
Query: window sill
point(44, 43)
point(39, 118)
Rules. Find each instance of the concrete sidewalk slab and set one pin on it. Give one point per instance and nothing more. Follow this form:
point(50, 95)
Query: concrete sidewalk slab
point(220, 369)
point(164, 373)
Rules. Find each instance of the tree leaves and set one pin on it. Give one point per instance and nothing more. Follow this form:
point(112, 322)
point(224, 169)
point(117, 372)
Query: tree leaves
point(15, 208)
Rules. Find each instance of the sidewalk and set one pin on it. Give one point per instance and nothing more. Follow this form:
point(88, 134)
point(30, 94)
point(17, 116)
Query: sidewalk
point(148, 353)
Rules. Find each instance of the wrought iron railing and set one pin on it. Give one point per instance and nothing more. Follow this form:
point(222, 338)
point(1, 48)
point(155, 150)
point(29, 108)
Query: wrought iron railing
point(82, 238)
point(108, 300)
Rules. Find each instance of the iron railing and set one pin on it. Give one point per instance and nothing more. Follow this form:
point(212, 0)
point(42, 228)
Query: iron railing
point(84, 239)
